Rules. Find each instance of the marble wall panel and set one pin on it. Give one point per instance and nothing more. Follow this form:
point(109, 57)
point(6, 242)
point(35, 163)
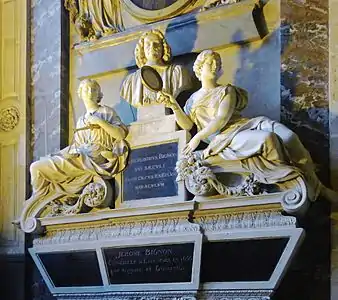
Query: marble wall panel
point(49, 64)
point(305, 109)
point(333, 47)
point(49, 80)
point(304, 75)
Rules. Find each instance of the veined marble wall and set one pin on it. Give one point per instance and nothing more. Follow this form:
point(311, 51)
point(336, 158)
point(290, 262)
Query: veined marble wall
point(305, 109)
point(304, 69)
point(49, 76)
point(333, 27)
point(49, 84)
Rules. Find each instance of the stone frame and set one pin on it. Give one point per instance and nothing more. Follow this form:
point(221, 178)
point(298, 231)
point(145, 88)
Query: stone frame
point(153, 15)
point(295, 235)
point(98, 246)
point(181, 137)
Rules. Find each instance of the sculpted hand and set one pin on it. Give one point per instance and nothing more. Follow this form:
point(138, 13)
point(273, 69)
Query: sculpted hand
point(94, 120)
point(167, 99)
point(192, 145)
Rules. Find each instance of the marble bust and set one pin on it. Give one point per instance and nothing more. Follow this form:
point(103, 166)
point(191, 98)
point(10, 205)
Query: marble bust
point(153, 50)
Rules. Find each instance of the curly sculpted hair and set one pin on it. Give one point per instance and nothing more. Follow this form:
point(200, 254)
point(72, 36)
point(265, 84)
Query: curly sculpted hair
point(139, 50)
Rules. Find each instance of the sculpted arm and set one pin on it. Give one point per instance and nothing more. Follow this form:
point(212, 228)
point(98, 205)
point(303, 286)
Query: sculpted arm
point(225, 111)
point(181, 118)
point(115, 131)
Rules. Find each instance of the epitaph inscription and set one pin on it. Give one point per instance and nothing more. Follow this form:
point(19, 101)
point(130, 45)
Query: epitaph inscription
point(150, 264)
point(151, 172)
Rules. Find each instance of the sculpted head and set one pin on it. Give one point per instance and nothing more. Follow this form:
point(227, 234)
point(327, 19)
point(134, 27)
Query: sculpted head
point(90, 91)
point(152, 47)
point(208, 64)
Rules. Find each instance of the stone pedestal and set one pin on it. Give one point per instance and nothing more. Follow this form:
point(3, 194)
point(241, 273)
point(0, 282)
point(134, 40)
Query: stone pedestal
point(157, 252)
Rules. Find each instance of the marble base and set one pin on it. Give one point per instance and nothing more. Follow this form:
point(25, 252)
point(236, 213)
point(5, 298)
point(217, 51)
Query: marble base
point(213, 222)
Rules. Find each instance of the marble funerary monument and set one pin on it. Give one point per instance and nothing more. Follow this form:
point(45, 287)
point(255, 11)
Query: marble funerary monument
point(175, 184)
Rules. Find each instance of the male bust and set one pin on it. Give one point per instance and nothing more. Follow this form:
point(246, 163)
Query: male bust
point(153, 50)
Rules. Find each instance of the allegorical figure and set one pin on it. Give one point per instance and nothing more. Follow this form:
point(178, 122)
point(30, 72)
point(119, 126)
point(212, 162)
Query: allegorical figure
point(98, 149)
point(266, 148)
point(153, 50)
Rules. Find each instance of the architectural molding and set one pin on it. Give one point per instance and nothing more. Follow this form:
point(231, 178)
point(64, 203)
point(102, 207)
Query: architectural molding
point(187, 295)
point(119, 229)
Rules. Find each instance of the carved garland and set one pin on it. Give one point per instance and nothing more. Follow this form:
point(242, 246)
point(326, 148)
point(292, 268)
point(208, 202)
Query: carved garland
point(217, 222)
point(131, 296)
point(119, 229)
point(203, 295)
point(253, 220)
point(235, 295)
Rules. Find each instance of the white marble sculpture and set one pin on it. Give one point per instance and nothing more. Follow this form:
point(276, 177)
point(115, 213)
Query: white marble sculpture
point(74, 178)
point(153, 50)
point(264, 147)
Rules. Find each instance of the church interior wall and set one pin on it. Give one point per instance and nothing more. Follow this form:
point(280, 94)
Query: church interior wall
point(285, 73)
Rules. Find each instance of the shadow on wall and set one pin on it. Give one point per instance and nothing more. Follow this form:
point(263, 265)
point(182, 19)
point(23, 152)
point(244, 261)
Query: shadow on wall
point(259, 73)
point(175, 37)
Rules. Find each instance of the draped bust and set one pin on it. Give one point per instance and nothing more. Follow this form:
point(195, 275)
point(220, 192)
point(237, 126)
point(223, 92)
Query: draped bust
point(153, 50)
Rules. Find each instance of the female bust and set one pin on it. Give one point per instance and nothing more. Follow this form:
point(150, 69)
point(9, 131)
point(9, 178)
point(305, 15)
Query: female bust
point(266, 148)
point(153, 50)
point(98, 149)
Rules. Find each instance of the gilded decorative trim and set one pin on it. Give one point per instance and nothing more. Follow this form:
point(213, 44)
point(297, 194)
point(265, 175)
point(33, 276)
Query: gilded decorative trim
point(155, 15)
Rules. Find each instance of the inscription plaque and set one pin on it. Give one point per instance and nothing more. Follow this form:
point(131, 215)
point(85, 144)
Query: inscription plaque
point(248, 260)
point(151, 172)
point(72, 268)
point(150, 264)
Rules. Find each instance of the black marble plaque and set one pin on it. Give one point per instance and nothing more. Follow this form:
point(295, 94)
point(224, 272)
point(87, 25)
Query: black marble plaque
point(245, 260)
point(67, 269)
point(153, 4)
point(151, 172)
point(150, 264)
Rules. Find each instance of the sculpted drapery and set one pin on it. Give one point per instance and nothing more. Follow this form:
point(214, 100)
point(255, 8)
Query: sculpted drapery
point(175, 80)
point(95, 18)
point(98, 151)
point(253, 141)
point(153, 50)
point(266, 148)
